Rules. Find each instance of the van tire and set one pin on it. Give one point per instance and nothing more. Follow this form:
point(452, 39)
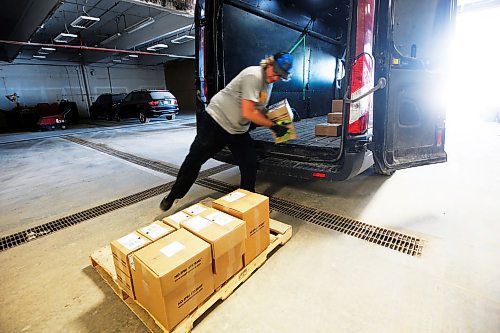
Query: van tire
point(379, 171)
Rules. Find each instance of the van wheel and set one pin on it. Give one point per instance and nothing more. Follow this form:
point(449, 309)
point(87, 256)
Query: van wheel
point(379, 171)
point(143, 118)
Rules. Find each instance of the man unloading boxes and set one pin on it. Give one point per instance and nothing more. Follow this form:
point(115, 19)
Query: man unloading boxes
point(226, 123)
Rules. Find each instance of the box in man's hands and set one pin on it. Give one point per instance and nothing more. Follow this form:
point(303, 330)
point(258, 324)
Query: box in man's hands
point(281, 113)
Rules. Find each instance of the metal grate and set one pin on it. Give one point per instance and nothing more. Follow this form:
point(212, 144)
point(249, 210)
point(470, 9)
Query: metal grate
point(391, 239)
point(216, 185)
point(150, 164)
point(30, 234)
point(380, 236)
point(22, 237)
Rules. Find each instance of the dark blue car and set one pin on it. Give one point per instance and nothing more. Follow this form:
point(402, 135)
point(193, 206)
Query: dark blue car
point(147, 104)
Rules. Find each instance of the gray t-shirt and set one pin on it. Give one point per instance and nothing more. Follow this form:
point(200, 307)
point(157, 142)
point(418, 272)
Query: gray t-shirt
point(225, 106)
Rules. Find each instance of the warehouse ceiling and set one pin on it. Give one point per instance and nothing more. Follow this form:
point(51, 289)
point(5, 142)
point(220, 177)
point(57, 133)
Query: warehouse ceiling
point(133, 25)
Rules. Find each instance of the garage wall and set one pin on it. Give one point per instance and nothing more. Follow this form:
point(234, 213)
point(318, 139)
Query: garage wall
point(180, 78)
point(48, 83)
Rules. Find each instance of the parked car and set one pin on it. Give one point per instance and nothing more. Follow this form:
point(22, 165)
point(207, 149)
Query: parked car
point(147, 104)
point(103, 106)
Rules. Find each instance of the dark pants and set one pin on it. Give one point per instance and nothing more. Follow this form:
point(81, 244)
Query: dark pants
point(211, 138)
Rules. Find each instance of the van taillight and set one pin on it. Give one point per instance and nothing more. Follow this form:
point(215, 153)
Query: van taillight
point(175, 101)
point(153, 103)
point(362, 70)
point(439, 137)
point(319, 175)
point(359, 110)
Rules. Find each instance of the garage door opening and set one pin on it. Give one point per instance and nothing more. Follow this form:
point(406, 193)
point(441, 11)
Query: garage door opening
point(473, 81)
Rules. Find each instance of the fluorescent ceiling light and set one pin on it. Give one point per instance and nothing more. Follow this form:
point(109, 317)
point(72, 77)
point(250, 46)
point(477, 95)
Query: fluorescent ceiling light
point(111, 38)
point(180, 56)
point(64, 37)
point(157, 47)
point(133, 56)
point(39, 56)
point(139, 25)
point(125, 59)
point(48, 49)
point(41, 52)
point(117, 60)
point(182, 39)
point(84, 22)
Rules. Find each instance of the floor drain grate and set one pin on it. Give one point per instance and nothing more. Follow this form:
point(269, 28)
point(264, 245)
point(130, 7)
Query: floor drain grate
point(391, 239)
point(216, 185)
point(30, 234)
point(153, 165)
point(380, 236)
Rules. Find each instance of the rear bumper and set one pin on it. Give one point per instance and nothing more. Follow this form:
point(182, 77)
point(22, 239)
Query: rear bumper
point(349, 166)
point(153, 113)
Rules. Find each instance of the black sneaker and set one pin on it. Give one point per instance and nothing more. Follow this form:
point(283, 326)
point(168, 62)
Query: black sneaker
point(166, 203)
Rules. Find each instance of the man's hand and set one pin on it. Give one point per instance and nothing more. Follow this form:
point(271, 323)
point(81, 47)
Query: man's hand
point(279, 130)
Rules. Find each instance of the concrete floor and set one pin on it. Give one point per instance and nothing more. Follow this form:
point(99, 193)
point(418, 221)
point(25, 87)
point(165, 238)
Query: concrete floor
point(321, 281)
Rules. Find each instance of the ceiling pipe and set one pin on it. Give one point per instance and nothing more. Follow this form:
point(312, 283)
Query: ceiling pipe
point(81, 47)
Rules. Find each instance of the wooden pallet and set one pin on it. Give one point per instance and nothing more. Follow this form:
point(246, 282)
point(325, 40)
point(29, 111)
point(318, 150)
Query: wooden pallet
point(102, 261)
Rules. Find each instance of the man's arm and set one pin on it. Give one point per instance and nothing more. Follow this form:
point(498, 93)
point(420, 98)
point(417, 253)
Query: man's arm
point(248, 111)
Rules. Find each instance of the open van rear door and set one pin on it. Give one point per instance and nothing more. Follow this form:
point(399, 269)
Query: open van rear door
point(410, 52)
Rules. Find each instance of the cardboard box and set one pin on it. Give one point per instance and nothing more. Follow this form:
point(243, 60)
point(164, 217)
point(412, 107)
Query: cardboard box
point(176, 219)
point(252, 208)
point(226, 235)
point(123, 248)
point(220, 238)
point(230, 263)
point(334, 118)
point(338, 105)
point(207, 202)
point(281, 111)
point(328, 129)
point(172, 276)
point(195, 209)
point(125, 282)
point(156, 230)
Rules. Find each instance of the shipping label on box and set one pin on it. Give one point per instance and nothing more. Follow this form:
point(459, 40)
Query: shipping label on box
point(282, 113)
point(195, 209)
point(156, 230)
point(176, 219)
point(328, 129)
point(334, 118)
point(222, 238)
point(123, 248)
point(253, 208)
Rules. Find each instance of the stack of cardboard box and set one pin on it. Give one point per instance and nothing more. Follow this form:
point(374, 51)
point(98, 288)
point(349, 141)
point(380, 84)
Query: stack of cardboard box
point(226, 236)
point(170, 267)
point(254, 210)
point(333, 127)
point(122, 250)
point(172, 276)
